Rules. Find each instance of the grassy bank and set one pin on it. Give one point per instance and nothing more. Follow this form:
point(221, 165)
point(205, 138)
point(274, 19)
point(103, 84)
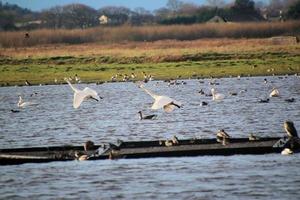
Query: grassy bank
point(163, 59)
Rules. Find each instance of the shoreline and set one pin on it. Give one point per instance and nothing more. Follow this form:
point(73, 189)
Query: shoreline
point(140, 80)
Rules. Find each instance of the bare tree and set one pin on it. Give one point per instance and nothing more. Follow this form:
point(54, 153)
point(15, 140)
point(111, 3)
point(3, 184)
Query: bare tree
point(216, 3)
point(174, 5)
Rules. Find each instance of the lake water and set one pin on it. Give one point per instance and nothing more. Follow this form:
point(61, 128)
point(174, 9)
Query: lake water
point(55, 122)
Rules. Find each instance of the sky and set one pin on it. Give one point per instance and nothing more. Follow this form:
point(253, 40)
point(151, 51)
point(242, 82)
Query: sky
point(37, 5)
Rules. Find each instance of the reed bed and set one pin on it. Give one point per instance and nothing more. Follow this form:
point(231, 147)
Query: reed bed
point(148, 33)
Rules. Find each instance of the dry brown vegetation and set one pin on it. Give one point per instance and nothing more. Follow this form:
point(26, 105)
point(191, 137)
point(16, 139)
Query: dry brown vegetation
point(149, 33)
point(154, 50)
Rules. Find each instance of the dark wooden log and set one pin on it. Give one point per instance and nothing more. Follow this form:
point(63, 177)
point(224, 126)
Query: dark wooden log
point(146, 149)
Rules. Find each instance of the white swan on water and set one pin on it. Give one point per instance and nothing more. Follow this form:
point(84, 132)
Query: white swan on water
point(23, 104)
point(80, 95)
point(167, 103)
point(274, 93)
point(217, 96)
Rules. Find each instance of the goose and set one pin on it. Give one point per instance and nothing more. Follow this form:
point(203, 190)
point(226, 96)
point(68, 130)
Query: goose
point(201, 92)
point(274, 93)
point(88, 145)
point(290, 129)
point(80, 95)
point(22, 104)
point(216, 96)
point(147, 116)
point(290, 100)
point(203, 103)
point(264, 100)
point(222, 136)
point(167, 103)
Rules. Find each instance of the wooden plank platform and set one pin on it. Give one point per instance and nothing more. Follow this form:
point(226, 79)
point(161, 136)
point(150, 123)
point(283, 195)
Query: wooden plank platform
point(144, 149)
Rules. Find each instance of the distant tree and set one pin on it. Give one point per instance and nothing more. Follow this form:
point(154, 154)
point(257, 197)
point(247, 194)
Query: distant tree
point(79, 16)
point(141, 16)
point(216, 3)
point(174, 5)
point(11, 14)
point(294, 11)
point(53, 17)
point(117, 15)
point(6, 21)
point(188, 9)
point(205, 13)
point(244, 5)
point(162, 13)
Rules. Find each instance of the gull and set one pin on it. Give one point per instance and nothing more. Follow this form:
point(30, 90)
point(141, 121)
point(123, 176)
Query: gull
point(80, 95)
point(167, 103)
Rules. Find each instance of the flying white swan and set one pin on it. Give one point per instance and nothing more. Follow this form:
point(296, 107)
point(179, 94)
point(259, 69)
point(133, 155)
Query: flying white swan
point(167, 103)
point(80, 95)
point(22, 104)
point(216, 96)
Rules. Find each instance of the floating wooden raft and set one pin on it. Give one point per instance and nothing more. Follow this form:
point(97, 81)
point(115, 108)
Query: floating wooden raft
point(144, 149)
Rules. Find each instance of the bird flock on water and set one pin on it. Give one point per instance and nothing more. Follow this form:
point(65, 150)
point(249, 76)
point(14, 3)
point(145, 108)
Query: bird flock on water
point(168, 104)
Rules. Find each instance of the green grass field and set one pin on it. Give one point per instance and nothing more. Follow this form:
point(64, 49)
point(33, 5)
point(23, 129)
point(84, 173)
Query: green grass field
point(42, 67)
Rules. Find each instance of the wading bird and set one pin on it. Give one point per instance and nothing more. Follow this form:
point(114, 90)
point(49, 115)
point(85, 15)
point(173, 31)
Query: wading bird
point(80, 95)
point(167, 103)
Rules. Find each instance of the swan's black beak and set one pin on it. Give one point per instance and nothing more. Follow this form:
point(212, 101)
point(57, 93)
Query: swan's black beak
point(94, 99)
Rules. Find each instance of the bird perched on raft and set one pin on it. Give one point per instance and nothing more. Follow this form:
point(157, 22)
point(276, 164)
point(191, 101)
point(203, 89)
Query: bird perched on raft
point(252, 137)
point(168, 104)
point(290, 129)
point(169, 143)
point(80, 95)
point(146, 116)
point(286, 151)
point(89, 145)
point(223, 137)
point(80, 156)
